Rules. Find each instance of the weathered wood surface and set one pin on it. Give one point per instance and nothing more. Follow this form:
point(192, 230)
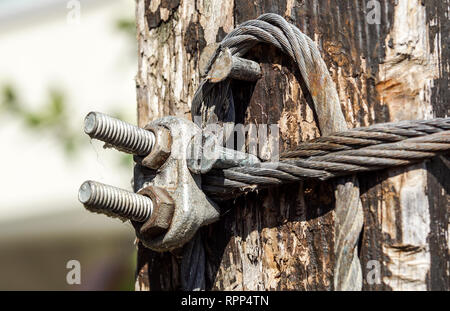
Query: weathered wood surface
point(283, 238)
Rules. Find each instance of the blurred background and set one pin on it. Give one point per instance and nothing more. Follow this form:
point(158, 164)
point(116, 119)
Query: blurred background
point(60, 59)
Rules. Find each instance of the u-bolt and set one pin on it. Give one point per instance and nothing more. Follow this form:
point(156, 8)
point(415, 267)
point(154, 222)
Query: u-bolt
point(116, 202)
point(152, 145)
point(152, 208)
point(121, 135)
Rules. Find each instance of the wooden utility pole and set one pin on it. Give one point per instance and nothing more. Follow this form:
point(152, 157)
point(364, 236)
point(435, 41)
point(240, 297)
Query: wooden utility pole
point(390, 62)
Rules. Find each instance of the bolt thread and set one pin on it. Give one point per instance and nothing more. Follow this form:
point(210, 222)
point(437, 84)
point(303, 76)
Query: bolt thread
point(115, 202)
point(121, 135)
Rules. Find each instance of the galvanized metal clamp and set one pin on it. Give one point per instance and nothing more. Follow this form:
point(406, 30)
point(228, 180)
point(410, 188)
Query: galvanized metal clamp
point(192, 209)
point(170, 207)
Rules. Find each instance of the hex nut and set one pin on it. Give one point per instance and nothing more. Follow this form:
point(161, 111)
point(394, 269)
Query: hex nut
point(162, 213)
point(161, 149)
point(193, 208)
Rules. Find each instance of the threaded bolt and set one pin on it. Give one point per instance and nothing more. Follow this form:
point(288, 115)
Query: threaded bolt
point(115, 202)
point(121, 135)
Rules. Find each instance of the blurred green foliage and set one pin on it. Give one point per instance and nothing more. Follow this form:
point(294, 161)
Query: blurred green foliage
point(127, 25)
point(126, 283)
point(52, 117)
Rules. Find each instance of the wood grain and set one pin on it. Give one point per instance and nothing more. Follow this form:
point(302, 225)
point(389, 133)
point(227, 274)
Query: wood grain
point(283, 238)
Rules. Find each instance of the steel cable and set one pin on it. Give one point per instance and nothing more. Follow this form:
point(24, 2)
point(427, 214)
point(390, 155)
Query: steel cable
point(339, 152)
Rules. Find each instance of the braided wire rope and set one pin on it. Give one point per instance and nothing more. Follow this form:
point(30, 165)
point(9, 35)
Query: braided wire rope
point(345, 153)
point(274, 30)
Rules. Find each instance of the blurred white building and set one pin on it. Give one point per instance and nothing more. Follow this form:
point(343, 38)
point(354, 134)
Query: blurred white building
point(42, 225)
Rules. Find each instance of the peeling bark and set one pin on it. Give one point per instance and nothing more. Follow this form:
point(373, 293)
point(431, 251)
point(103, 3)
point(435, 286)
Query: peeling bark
point(282, 238)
